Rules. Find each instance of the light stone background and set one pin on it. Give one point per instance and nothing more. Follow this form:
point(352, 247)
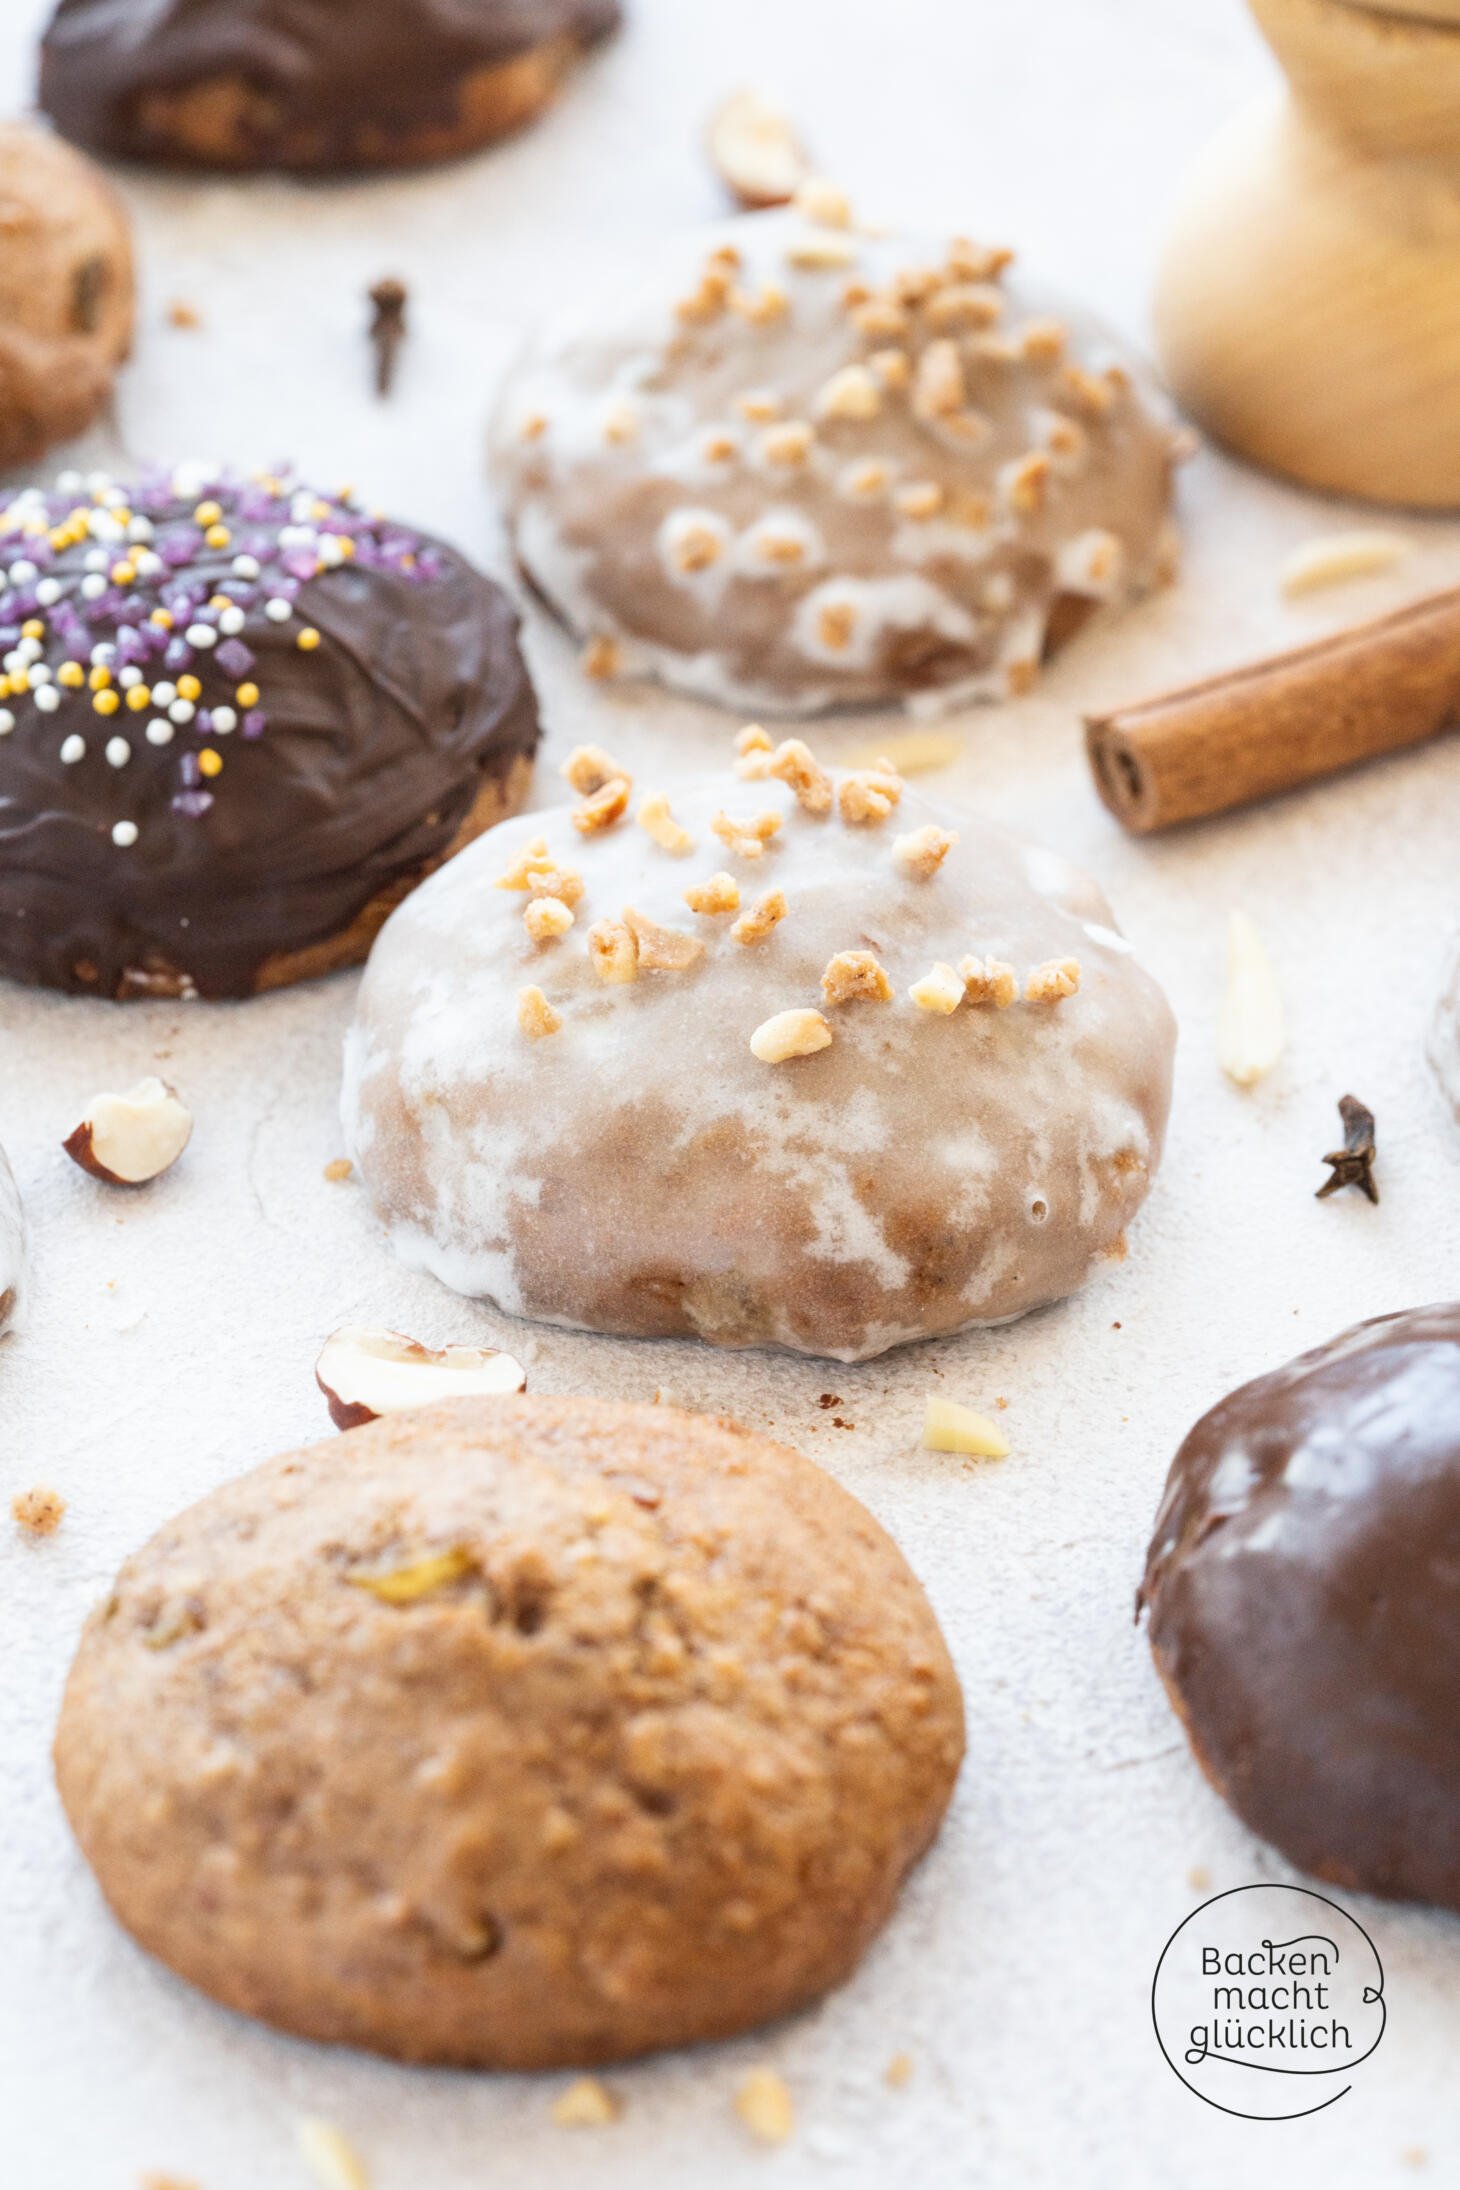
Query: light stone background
point(173, 1332)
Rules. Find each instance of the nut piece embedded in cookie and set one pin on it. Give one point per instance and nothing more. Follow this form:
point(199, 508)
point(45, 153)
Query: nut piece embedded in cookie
point(133, 1138)
point(364, 1374)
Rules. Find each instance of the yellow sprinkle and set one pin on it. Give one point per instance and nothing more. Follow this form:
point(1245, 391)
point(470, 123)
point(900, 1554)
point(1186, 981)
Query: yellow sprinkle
point(33, 629)
point(162, 617)
point(107, 703)
point(208, 513)
point(347, 546)
point(71, 674)
point(307, 640)
point(221, 601)
point(247, 695)
point(123, 574)
point(188, 688)
point(217, 536)
point(139, 697)
point(947, 1427)
point(209, 762)
point(100, 678)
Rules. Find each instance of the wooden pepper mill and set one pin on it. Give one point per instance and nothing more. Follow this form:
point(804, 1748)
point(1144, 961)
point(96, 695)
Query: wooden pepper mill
point(1308, 308)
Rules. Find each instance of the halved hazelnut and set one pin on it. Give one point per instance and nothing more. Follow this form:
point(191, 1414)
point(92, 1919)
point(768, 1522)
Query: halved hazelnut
point(129, 1139)
point(755, 151)
point(364, 1374)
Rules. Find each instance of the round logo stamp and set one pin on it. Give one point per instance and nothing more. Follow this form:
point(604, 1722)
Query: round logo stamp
point(1266, 1999)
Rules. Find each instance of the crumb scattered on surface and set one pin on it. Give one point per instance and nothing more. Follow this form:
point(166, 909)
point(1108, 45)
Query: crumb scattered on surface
point(1198, 1878)
point(38, 1511)
point(339, 1167)
point(586, 2104)
point(898, 2071)
point(187, 316)
point(765, 2106)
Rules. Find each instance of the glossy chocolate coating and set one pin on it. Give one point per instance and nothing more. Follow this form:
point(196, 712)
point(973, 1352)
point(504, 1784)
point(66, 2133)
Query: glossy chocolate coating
point(351, 704)
point(1303, 1586)
point(345, 78)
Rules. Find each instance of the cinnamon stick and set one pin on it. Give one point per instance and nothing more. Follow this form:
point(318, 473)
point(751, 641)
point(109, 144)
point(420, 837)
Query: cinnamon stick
point(1253, 732)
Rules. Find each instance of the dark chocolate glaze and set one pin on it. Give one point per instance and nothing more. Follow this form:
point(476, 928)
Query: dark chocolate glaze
point(1303, 1585)
point(308, 779)
point(344, 73)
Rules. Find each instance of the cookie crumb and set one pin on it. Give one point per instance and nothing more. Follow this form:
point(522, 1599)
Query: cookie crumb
point(1414, 2155)
point(586, 2104)
point(1198, 1878)
point(765, 2106)
point(898, 2072)
point(338, 1168)
point(186, 316)
point(330, 2157)
point(38, 1511)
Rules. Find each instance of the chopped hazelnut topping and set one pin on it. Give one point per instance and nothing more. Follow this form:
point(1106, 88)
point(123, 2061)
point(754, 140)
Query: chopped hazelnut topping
point(602, 810)
point(915, 284)
point(1043, 340)
point(788, 445)
point(892, 367)
point(1064, 438)
point(759, 405)
point(602, 659)
point(794, 763)
point(718, 448)
point(533, 427)
point(621, 424)
point(969, 427)
point(853, 976)
point(968, 261)
point(923, 852)
point(964, 304)
point(760, 306)
point(1088, 392)
point(661, 950)
point(696, 546)
point(39, 1512)
point(881, 319)
point(969, 507)
point(765, 2106)
point(836, 625)
point(940, 989)
point(547, 918)
point(1025, 483)
point(869, 795)
point(921, 499)
point(754, 926)
point(747, 839)
point(708, 301)
point(854, 392)
point(721, 894)
point(863, 481)
point(821, 253)
point(820, 201)
point(654, 815)
point(588, 768)
point(561, 882)
point(938, 387)
point(754, 738)
point(535, 1015)
point(755, 749)
point(989, 981)
point(898, 2071)
point(1053, 981)
point(586, 2104)
point(613, 951)
point(533, 856)
point(775, 544)
point(338, 1169)
point(789, 1034)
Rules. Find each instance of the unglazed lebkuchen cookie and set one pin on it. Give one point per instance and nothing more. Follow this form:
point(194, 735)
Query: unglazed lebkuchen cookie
point(12, 1247)
point(796, 1059)
point(808, 467)
point(307, 84)
point(239, 720)
point(513, 1733)
point(66, 292)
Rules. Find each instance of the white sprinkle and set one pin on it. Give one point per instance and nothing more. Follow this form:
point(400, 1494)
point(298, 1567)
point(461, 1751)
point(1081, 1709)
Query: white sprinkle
point(129, 676)
point(202, 636)
point(118, 752)
point(47, 698)
point(7, 722)
point(160, 732)
point(48, 592)
point(124, 833)
point(182, 711)
point(224, 720)
point(245, 566)
point(148, 565)
point(22, 572)
point(141, 528)
point(40, 673)
point(29, 651)
point(103, 654)
point(164, 693)
point(93, 588)
point(231, 622)
point(96, 559)
point(72, 750)
point(68, 482)
point(278, 610)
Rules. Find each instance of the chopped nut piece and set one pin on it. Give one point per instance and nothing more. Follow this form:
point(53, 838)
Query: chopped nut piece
point(765, 2106)
point(587, 769)
point(753, 739)
point(794, 763)
point(920, 499)
point(602, 810)
point(915, 284)
point(923, 852)
point(855, 976)
point(694, 546)
point(613, 951)
point(779, 544)
point(547, 918)
point(38, 1511)
point(910, 752)
point(836, 627)
point(747, 839)
point(755, 151)
point(1340, 556)
point(564, 883)
point(655, 817)
point(863, 481)
point(535, 1015)
point(586, 2104)
point(938, 386)
point(706, 302)
point(1094, 396)
point(881, 319)
point(620, 424)
point(366, 1373)
point(989, 981)
point(939, 990)
point(964, 304)
point(869, 795)
point(787, 445)
point(518, 876)
point(821, 202)
point(416, 1578)
point(331, 2158)
point(854, 392)
point(754, 926)
point(718, 448)
point(1053, 981)
point(821, 252)
point(183, 315)
point(759, 406)
point(755, 749)
point(1025, 483)
point(762, 306)
point(1021, 677)
point(892, 367)
point(898, 2071)
point(338, 1168)
point(602, 659)
point(721, 894)
point(661, 950)
point(789, 1034)
point(533, 427)
point(131, 1139)
point(947, 1427)
point(1250, 1025)
point(1043, 340)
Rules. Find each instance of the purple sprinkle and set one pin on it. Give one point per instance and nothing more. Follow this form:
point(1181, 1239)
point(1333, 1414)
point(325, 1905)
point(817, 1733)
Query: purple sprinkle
point(301, 562)
point(191, 773)
point(178, 654)
point(255, 723)
point(234, 658)
point(202, 723)
point(192, 804)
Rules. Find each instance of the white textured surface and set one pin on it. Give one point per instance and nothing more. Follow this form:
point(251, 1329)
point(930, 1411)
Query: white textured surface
point(172, 1333)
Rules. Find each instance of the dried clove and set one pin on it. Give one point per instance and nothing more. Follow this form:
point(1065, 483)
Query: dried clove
point(1353, 1164)
point(387, 330)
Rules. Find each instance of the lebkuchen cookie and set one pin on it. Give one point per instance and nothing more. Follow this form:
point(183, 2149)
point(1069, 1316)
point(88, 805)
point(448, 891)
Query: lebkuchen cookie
point(307, 84)
point(66, 292)
point(238, 721)
point(791, 1059)
point(809, 466)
